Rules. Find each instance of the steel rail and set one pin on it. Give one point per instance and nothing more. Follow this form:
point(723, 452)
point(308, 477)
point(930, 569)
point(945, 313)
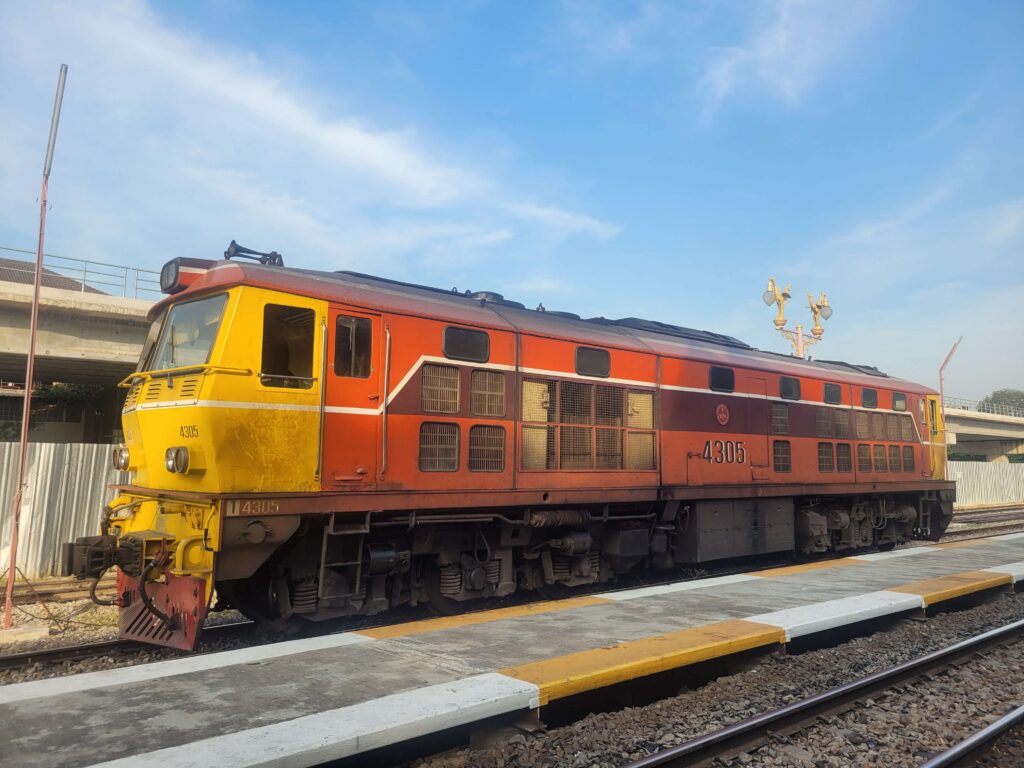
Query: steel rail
point(971, 748)
point(103, 647)
point(752, 732)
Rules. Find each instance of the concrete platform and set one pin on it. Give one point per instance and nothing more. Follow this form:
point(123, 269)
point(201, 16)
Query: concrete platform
point(304, 702)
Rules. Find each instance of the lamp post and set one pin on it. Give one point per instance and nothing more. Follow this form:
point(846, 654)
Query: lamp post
point(820, 310)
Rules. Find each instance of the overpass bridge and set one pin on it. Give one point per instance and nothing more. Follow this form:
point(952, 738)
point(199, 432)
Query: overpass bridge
point(92, 319)
point(993, 431)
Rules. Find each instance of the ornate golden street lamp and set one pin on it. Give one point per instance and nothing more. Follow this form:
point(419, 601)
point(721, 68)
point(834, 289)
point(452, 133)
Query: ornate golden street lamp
point(820, 310)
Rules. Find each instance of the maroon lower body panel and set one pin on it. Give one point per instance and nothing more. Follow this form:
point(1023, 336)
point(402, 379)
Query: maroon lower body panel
point(181, 598)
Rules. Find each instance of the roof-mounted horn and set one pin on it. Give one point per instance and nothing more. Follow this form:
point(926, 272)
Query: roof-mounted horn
point(235, 250)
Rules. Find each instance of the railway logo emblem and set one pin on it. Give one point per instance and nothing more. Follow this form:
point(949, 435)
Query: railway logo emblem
point(722, 414)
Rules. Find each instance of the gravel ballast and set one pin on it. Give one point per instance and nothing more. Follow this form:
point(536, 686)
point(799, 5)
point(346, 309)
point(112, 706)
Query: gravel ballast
point(947, 712)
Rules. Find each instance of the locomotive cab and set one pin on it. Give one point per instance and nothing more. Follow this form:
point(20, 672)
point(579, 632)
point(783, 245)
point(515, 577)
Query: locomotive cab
point(227, 398)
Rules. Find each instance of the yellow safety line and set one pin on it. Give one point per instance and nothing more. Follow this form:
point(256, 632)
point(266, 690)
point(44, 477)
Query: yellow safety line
point(480, 617)
point(953, 585)
point(584, 671)
point(955, 544)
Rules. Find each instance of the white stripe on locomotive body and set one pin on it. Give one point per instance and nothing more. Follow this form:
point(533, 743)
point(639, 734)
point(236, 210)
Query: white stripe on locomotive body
point(354, 411)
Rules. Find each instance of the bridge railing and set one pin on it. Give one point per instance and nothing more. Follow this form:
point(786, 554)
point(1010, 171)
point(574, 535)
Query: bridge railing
point(91, 276)
point(979, 406)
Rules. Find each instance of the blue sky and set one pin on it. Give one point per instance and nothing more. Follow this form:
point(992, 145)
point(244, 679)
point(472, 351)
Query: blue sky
point(651, 159)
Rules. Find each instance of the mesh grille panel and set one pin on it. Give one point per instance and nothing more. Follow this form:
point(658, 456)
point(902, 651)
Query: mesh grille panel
point(575, 448)
point(439, 447)
point(824, 422)
point(844, 461)
point(842, 424)
point(863, 423)
point(487, 393)
point(609, 449)
point(880, 465)
point(574, 403)
point(894, 458)
point(780, 419)
point(892, 427)
point(781, 456)
point(863, 458)
point(608, 406)
point(486, 448)
point(539, 400)
point(539, 447)
point(825, 462)
point(877, 426)
point(440, 389)
point(640, 450)
point(641, 410)
point(907, 428)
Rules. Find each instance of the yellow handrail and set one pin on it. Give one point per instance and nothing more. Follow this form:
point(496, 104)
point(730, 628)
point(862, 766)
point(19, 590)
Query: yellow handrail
point(181, 370)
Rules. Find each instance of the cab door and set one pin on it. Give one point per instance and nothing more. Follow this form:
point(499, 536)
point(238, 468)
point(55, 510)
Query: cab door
point(354, 395)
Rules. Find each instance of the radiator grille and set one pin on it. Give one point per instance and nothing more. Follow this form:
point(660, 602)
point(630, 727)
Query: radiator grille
point(908, 458)
point(825, 457)
point(575, 448)
point(486, 448)
point(880, 465)
point(609, 449)
point(640, 450)
point(863, 432)
point(892, 427)
point(781, 456)
point(586, 426)
point(439, 447)
point(877, 426)
point(863, 458)
point(842, 424)
point(641, 410)
point(539, 448)
point(907, 428)
point(780, 419)
point(824, 422)
point(440, 389)
point(574, 403)
point(894, 458)
point(487, 393)
point(844, 461)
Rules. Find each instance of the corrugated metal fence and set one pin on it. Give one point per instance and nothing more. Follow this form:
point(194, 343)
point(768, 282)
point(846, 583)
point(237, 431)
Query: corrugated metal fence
point(66, 489)
point(982, 483)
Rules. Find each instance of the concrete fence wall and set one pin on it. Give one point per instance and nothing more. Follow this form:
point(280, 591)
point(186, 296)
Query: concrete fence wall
point(982, 483)
point(68, 486)
point(65, 490)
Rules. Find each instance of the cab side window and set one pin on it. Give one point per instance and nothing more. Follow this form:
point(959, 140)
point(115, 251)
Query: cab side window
point(353, 346)
point(287, 347)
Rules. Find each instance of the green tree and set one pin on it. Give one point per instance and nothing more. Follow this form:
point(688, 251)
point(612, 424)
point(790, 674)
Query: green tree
point(1012, 397)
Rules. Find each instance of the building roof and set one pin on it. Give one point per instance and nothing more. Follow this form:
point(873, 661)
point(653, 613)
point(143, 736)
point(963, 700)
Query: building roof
point(23, 272)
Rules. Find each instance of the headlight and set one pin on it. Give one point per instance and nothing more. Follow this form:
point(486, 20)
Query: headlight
point(119, 458)
point(169, 459)
point(181, 460)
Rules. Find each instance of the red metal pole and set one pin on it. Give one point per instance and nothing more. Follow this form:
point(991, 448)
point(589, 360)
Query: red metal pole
point(12, 567)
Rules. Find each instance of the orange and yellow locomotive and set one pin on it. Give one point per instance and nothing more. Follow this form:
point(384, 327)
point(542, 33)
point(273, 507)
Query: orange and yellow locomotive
point(307, 445)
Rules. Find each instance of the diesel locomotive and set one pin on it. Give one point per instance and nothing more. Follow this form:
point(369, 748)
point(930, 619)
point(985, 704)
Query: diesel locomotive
point(304, 445)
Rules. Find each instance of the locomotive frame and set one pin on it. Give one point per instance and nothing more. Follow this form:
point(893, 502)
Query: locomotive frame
point(307, 445)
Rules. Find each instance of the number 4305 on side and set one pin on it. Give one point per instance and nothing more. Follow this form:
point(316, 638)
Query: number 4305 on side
point(724, 452)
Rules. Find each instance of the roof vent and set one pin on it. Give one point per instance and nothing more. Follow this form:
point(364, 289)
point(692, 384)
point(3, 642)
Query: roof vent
point(491, 296)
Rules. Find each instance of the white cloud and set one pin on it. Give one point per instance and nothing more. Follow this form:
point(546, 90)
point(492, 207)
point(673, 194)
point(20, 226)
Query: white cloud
point(1007, 221)
point(173, 143)
point(792, 46)
point(565, 221)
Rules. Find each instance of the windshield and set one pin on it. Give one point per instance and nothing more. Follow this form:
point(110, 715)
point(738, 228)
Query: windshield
point(188, 333)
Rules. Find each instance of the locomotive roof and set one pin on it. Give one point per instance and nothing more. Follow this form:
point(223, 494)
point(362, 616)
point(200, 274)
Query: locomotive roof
point(492, 310)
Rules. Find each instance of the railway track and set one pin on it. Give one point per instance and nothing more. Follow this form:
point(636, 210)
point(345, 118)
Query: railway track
point(218, 631)
point(107, 647)
point(750, 734)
